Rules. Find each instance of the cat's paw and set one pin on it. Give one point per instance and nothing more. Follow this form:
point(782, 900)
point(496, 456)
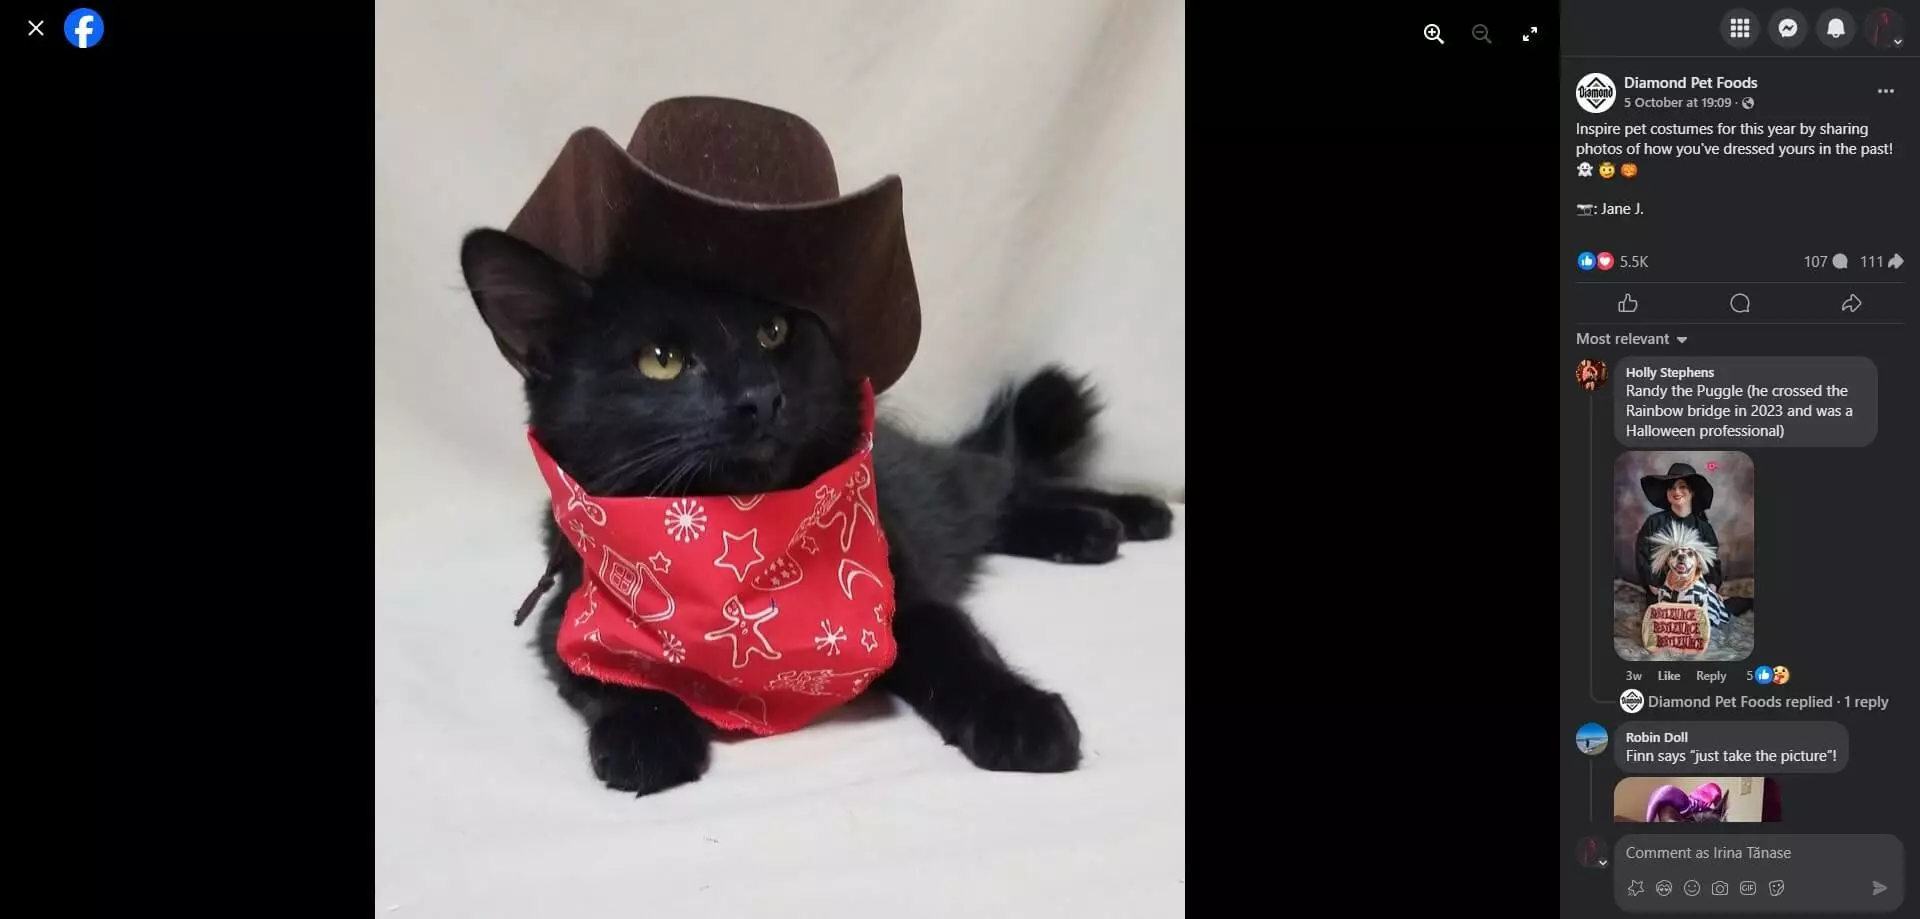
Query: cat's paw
point(1015, 727)
point(1088, 536)
point(1143, 517)
point(645, 749)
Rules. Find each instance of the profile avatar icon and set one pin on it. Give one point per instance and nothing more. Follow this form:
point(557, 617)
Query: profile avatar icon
point(1632, 700)
point(1590, 373)
point(1592, 853)
point(1591, 739)
point(1885, 29)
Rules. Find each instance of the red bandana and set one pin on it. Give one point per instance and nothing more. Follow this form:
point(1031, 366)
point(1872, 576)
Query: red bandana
point(760, 612)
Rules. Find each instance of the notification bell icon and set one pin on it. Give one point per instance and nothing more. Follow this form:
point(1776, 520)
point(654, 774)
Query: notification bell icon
point(1836, 28)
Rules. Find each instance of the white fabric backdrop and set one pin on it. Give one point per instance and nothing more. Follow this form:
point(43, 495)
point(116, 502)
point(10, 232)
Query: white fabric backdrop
point(1042, 150)
point(1041, 145)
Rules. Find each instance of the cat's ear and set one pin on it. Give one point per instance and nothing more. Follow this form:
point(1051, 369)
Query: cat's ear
point(522, 293)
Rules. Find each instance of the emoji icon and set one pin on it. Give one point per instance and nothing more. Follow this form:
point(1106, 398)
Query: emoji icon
point(1763, 674)
point(1606, 170)
point(1604, 261)
point(1585, 261)
point(1780, 676)
point(1584, 170)
point(1629, 170)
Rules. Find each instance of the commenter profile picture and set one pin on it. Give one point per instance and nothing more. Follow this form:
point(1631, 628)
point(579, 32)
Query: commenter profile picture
point(1595, 93)
point(1590, 373)
point(1591, 739)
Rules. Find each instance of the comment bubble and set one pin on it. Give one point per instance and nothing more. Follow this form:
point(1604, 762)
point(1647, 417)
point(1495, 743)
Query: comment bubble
point(1689, 402)
point(1749, 874)
point(1730, 747)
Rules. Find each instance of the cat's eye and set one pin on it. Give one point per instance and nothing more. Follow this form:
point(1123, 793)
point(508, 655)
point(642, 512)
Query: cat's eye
point(658, 363)
point(774, 333)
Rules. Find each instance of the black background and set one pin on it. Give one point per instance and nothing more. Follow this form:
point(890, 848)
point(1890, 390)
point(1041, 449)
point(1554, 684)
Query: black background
point(192, 341)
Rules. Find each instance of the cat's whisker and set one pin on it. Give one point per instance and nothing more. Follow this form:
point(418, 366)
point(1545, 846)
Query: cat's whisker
point(682, 474)
point(672, 449)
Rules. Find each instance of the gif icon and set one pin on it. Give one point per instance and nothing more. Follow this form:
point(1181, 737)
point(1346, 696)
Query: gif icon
point(84, 28)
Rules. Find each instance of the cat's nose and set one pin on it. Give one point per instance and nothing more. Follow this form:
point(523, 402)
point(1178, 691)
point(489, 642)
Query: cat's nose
point(759, 405)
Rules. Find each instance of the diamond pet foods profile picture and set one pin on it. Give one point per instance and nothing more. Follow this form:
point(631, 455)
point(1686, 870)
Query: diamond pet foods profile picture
point(1595, 93)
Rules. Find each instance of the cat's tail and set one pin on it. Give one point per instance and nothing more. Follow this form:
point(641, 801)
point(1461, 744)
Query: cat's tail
point(1045, 425)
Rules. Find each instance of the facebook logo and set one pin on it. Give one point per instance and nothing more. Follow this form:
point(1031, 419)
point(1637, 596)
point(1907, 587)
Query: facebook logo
point(84, 28)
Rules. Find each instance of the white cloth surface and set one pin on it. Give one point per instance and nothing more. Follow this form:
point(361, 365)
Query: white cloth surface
point(485, 804)
point(1041, 147)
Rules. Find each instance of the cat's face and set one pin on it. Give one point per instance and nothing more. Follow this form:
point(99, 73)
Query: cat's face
point(639, 386)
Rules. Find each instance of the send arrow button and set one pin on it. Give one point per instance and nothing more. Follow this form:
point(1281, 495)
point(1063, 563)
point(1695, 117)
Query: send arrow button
point(1879, 888)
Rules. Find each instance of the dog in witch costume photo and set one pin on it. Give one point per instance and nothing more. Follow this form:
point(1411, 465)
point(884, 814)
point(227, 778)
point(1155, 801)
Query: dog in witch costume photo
point(1706, 799)
point(1674, 804)
point(735, 541)
point(1683, 585)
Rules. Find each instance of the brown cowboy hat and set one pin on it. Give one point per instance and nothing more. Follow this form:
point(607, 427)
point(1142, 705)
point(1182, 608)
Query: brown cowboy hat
point(1656, 486)
point(741, 195)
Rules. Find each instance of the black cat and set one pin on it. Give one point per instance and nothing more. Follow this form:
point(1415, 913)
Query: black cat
point(644, 385)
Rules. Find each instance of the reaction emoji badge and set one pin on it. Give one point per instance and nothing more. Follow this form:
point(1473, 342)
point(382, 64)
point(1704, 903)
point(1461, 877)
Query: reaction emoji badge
point(1779, 675)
